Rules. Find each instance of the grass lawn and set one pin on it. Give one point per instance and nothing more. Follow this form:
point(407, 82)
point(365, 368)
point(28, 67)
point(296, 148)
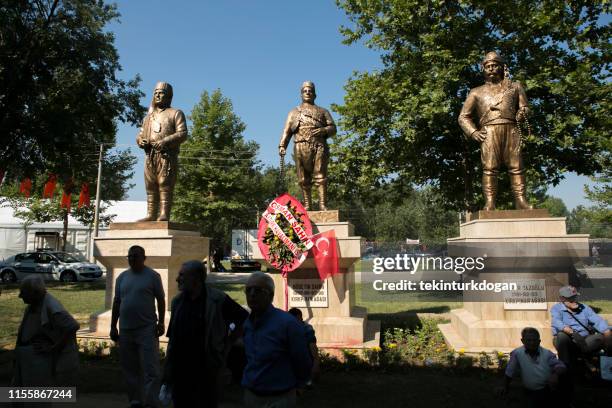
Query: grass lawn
point(84, 298)
point(81, 299)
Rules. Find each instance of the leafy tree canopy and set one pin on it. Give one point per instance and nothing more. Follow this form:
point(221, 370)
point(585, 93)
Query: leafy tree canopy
point(400, 122)
point(555, 206)
point(59, 92)
point(220, 184)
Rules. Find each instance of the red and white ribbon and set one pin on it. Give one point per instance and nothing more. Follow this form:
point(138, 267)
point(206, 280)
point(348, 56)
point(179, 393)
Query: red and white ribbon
point(284, 210)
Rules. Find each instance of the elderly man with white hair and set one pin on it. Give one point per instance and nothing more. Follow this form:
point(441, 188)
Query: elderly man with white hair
point(278, 359)
point(46, 352)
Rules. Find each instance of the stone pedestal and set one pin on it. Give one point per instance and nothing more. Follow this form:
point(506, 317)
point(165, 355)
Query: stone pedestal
point(337, 321)
point(167, 245)
point(523, 247)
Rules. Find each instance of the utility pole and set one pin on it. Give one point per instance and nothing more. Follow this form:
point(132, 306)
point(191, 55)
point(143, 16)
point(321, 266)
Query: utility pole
point(98, 188)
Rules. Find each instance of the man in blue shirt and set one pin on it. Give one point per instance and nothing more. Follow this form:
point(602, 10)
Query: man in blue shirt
point(576, 327)
point(278, 360)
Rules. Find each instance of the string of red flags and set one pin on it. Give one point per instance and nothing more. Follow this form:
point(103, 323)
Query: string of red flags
point(25, 188)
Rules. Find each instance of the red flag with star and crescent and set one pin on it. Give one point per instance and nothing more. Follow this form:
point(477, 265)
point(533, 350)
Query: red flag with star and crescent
point(325, 251)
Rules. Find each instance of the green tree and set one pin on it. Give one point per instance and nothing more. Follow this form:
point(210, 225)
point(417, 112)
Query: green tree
point(219, 179)
point(555, 206)
point(595, 220)
point(601, 195)
point(391, 216)
point(583, 220)
point(59, 92)
point(271, 185)
point(400, 122)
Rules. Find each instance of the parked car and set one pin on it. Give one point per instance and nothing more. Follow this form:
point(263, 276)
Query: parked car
point(53, 266)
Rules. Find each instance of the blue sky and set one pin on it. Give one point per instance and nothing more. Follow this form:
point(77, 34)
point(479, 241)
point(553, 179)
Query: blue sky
point(257, 52)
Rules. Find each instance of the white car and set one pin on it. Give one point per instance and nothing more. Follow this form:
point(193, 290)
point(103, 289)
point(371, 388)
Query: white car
point(52, 266)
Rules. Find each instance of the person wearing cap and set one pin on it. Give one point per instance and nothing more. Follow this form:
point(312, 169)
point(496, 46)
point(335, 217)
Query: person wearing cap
point(163, 130)
point(576, 327)
point(311, 125)
point(489, 116)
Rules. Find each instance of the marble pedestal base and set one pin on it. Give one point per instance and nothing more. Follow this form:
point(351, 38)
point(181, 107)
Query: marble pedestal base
point(517, 249)
point(167, 245)
point(339, 323)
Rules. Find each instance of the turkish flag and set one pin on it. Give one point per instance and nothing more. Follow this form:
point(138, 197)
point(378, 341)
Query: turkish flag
point(325, 251)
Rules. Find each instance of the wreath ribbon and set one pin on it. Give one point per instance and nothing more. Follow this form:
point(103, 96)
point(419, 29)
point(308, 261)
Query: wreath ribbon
point(284, 210)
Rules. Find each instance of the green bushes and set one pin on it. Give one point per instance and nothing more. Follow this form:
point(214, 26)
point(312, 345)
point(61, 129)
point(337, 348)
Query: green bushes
point(423, 346)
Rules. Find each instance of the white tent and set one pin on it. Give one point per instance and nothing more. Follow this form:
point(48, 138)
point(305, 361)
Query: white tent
point(16, 238)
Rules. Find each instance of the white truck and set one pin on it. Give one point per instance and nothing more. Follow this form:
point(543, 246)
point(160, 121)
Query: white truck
point(242, 250)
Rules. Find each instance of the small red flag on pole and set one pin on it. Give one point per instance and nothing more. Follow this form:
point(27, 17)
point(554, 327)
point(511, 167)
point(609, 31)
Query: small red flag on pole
point(50, 186)
point(67, 195)
point(84, 196)
point(26, 187)
point(66, 199)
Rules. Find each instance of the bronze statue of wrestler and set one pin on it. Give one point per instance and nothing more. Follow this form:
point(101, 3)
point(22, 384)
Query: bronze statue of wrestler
point(490, 115)
point(311, 125)
point(163, 130)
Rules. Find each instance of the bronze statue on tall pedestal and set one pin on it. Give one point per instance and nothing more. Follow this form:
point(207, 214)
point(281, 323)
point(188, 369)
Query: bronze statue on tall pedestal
point(311, 125)
point(497, 106)
point(163, 130)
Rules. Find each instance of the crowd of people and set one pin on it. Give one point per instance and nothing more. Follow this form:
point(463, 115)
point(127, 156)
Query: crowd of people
point(280, 348)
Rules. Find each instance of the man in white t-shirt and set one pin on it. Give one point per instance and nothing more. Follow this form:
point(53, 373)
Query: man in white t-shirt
point(539, 369)
point(136, 291)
